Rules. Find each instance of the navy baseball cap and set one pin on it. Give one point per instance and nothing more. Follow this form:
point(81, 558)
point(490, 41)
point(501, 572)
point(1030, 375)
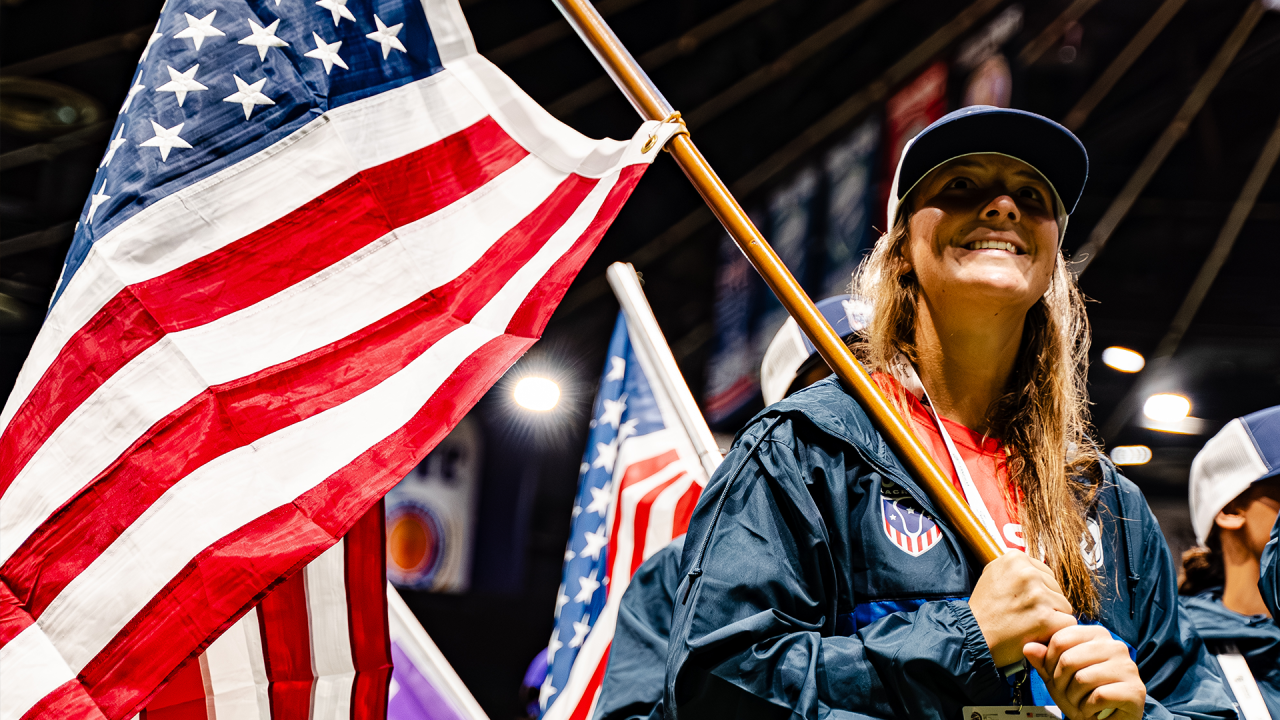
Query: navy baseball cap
point(1054, 152)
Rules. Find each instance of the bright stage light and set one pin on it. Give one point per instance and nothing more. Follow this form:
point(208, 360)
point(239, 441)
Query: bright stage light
point(1167, 408)
point(537, 394)
point(1131, 455)
point(1123, 359)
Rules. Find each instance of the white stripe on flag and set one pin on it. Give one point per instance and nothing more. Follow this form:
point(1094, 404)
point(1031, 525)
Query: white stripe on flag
point(331, 659)
point(244, 484)
point(237, 673)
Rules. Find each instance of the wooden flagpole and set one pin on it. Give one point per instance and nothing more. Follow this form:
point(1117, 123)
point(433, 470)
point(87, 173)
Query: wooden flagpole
point(649, 102)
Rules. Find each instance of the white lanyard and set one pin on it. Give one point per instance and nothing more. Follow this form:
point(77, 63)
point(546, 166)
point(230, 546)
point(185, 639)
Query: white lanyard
point(1236, 670)
point(971, 494)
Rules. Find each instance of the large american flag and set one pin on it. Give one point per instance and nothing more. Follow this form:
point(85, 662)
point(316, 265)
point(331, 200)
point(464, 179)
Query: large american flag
point(639, 481)
point(320, 232)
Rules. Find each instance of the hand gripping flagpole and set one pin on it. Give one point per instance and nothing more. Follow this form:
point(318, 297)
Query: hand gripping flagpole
point(649, 102)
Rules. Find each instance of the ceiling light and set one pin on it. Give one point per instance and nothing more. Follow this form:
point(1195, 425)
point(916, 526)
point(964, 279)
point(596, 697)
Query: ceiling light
point(1123, 359)
point(1167, 408)
point(1131, 455)
point(537, 394)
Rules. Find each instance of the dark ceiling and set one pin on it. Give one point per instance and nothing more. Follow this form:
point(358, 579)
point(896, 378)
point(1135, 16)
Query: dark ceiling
point(768, 85)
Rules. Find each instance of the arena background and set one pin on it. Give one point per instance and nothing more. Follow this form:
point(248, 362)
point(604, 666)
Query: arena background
point(774, 91)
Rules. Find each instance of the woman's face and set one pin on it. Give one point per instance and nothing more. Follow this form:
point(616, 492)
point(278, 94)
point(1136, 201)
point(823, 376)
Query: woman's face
point(983, 234)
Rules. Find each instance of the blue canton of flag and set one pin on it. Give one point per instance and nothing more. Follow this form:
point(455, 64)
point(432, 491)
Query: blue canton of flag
point(221, 80)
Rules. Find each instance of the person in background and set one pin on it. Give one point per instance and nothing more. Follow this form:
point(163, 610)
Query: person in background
point(1235, 500)
point(632, 686)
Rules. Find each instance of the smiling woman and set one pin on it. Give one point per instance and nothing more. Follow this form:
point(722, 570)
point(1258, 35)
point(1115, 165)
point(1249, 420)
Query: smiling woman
point(819, 575)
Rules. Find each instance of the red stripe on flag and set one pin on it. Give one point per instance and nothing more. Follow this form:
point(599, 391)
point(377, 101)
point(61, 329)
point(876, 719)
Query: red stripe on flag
point(68, 702)
point(286, 649)
point(636, 472)
point(684, 510)
point(235, 414)
point(183, 697)
point(364, 552)
point(588, 697)
point(640, 525)
point(13, 618)
point(304, 242)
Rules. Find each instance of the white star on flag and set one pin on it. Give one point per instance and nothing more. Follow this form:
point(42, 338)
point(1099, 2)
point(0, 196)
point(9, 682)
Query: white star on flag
point(580, 630)
point(327, 53)
point(128, 99)
point(583, 468)
point(97, 199)
point(386, 36)
point(627, 430)
point(561, 600)
point(606, 455)
point(339, 10)
point(166, 139)
point(249, 95)
point(181, 83)
point(264, 38)
point(151, 41)
point(113, 146)
point(554, 645)
point(599, 501)
point(200, 28)
point(569, 555)
point(617, 368)
point(586, 588)
point(595, 543)
point(613, 411)
point(545, 693)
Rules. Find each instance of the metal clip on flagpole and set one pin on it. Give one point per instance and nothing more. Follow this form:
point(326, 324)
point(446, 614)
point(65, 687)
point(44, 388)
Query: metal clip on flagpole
point(651, 105)
point(653, 346)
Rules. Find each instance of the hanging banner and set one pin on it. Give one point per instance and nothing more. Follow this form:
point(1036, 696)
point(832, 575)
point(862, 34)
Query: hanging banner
point(909, 111)
point(850, 168)
point(791, 225)
point(732, 377)
point(431, 515)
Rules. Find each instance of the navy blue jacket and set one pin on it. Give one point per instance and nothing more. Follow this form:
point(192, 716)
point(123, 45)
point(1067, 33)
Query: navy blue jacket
point(1269, 583)
point(632, 687)
point(797, 603)
point(1255, 637)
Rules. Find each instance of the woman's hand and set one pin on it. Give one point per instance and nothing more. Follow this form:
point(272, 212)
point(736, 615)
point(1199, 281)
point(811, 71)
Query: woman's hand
point(1017, 601)
point(1089, 673)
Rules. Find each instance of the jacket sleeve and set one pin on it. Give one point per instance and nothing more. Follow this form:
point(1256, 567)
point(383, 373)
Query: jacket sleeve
point(1181, 677)
point(753, 632)
point(1269, 583)
point(632, 686)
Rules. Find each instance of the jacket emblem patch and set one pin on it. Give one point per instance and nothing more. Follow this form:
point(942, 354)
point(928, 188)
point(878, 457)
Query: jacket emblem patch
point(905, 524)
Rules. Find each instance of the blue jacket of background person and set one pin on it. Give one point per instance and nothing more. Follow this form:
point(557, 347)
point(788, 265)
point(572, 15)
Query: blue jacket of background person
point(1256, 637)
point(1269, 583)
point(632, 687)
point(802, 605)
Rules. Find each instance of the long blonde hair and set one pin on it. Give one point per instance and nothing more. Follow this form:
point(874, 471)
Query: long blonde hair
point(1043, 417)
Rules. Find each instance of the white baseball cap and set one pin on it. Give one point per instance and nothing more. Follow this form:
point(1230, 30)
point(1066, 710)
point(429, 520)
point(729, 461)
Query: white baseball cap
point(790, 354)
point(1245, 451)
